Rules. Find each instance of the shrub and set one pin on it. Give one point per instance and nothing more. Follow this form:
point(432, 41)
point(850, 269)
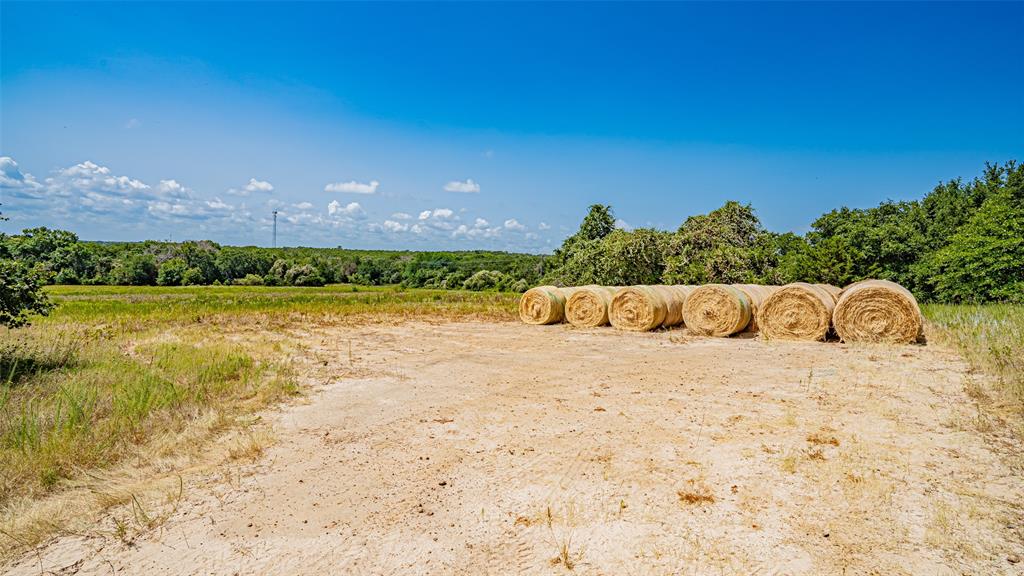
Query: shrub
point(193, 277)
point(487, 280)
point(134, 270)
point(303, 275)
point(21, 293)
point(172, 272)
point(250, 280)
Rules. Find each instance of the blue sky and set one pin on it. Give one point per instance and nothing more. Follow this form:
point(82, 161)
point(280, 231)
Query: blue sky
point(464, 126)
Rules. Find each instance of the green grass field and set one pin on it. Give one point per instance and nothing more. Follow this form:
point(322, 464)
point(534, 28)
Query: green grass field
point(112, 368)
point(116, 373)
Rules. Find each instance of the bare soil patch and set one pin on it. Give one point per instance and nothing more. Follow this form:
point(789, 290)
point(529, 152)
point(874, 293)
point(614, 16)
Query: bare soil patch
point(483, 448)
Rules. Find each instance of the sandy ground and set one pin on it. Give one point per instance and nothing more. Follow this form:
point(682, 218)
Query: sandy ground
point(478, 448)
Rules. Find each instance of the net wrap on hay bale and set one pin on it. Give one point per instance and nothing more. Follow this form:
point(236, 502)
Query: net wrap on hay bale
point(798, 311)
point(877, 311)
point(639, 308)
point(717, 310)
point(758, 294)
point(544, 304)
point(588, 306)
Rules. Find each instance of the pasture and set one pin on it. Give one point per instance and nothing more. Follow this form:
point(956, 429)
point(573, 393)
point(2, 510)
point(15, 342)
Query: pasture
point(347, 424)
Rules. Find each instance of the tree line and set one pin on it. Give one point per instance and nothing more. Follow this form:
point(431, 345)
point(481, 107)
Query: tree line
point(962, 242)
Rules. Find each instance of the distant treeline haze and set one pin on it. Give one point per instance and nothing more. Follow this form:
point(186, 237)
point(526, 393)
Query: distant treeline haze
point(964, 241)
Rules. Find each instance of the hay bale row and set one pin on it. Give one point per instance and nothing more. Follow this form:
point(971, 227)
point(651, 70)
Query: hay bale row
point(642, 308)
point(868, 311)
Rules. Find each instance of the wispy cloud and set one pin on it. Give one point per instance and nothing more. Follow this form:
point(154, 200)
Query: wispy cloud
point(467, 187)
point(253, 187)
point(353, 187)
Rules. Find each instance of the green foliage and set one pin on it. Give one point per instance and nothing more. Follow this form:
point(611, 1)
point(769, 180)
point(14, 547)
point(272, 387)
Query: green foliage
point(171, 272)
point(193, 277)
point(249, 280)
point(21, 294)
point(487, 280)
point(961, 242)
point(727, 245)
point(134, 269)
point(984, 260)
point(303, 275)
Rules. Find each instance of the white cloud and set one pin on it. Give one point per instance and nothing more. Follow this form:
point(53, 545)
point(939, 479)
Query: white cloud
point(217, 204)
point(352, 209)
point(132, 123)
point(253, 187)
point(353, 187)
point(481, 223)
point(443, 213)
point(513, 224)
point(467, 187)
point(620, 223)
point(543, 226)
point(424, 215)
point(392, 226)
point(303, 205)
point(401, 216)
point(14, 181)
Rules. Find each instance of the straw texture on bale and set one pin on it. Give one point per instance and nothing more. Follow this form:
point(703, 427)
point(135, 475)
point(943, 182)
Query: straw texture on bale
point(798, 311)
point(877, 311)
point(638, 308)
point(675, 299)
point(717, 310)
point(758, 295)
point(588, 306)
point(543, 305)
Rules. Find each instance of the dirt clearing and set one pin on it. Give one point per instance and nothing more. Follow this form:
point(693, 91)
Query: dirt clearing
point(474, 448)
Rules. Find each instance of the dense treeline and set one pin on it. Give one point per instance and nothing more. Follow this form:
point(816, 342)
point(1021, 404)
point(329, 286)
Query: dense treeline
point(962, 242)
point(61, 258)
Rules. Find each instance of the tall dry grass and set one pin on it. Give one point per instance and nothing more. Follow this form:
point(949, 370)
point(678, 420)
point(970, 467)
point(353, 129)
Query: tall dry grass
point(119, 375)
point(991, 338)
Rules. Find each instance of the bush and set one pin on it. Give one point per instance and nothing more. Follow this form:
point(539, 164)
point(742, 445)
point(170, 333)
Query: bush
point(134, 270)
point(250, 280)
point(487, 280)
point(193, 277)
point(172, 272)
point(303, 275)
point(21, 293)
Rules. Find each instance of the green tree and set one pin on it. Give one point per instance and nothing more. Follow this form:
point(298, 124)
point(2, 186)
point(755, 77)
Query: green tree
point(193, 277)
point(984, 260)
point(487, 280)
point(171, 272)
point(134, 269)
point(727, 245)
point(21, 288)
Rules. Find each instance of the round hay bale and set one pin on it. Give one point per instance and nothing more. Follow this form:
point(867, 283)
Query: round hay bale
point(798, 311)
point(675, 299)
point(717, 310)
point(877, 311)
point(638, 308)
point(542, 305)
point(758, 294)
point(588, 306)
